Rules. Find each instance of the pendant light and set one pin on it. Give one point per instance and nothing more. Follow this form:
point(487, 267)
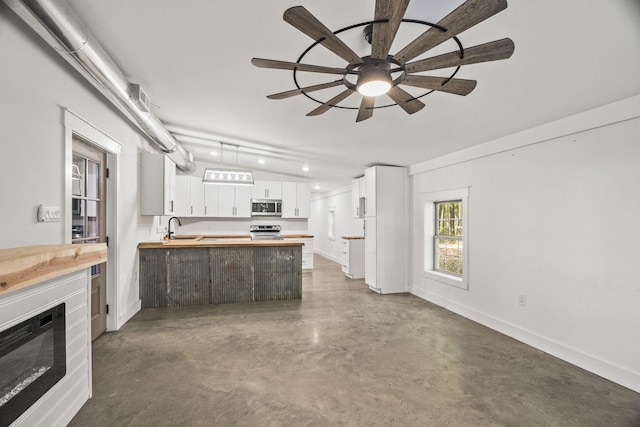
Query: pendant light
point(228, 176)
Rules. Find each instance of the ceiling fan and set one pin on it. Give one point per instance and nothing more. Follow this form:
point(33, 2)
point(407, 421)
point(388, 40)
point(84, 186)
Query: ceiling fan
point(381, 73)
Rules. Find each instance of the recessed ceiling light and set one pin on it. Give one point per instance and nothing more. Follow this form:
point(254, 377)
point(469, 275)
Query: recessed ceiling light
point(305, 168)
point(214, 153)
point(261, 161)
point(317, 187)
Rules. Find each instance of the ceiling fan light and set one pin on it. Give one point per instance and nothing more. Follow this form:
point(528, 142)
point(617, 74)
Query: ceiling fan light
point(374, 88)
point(374, 80)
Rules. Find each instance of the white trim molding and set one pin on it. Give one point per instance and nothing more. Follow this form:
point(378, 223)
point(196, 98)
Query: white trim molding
point(428, 201)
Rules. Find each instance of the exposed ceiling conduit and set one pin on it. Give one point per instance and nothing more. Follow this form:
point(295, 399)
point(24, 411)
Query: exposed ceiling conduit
point(57, 23)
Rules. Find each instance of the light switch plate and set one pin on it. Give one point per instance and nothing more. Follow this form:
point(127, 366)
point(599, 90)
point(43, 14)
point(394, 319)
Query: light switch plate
point(49, 214)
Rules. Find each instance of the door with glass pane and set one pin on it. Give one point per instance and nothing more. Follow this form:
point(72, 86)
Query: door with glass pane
point(88, 225)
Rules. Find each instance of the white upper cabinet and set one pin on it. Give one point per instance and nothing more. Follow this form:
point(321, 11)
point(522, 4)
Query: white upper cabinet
point(234, 201)
point(182, 197)
point(189, 198)
point(296, 200)
point(211, 200)
point(197, 197)
point(157, 184)
point(267, 190)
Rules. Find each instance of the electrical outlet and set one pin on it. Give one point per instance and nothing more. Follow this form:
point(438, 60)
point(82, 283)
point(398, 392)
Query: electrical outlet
point(49, 214)
point(522, 300)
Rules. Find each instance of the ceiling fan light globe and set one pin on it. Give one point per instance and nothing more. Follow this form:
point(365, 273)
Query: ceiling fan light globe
point(374, 79)
point(374, 88)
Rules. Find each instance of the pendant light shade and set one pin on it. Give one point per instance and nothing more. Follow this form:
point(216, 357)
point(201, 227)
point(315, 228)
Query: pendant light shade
point(228, 176)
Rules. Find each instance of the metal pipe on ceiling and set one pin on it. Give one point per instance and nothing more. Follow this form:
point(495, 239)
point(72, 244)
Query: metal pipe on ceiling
point(57, 23)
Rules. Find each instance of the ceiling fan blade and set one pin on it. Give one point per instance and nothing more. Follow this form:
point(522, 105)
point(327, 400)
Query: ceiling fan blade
point(384, 33)
point(330, 103)
point(455, 86)
point(290, 93)
point(284, 65)
point(492, 51)
point(467, 15)
point(407, 102)
point(366, 108)
point(304, 21)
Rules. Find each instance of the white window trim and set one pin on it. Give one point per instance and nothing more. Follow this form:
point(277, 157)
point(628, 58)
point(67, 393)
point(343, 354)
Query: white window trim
point(428, 201)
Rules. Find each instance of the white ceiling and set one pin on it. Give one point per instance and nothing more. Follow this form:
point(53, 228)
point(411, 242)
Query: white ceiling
point(192, 57)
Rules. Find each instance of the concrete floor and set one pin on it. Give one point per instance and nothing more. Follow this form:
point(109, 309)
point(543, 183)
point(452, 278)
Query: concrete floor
point(342, 356)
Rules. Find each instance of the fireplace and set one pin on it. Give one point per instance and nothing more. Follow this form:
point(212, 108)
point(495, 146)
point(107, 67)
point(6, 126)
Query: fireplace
point(32, 360)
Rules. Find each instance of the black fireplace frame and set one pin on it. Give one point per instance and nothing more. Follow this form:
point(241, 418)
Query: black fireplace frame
point(21, 334)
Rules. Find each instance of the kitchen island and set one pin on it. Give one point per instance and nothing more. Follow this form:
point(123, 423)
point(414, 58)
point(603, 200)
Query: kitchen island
point(211, 270)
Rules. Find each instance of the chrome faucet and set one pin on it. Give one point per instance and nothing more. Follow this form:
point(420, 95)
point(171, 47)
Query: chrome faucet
point(169, 232)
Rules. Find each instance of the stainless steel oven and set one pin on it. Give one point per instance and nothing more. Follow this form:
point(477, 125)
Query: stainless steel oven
point(266, 207)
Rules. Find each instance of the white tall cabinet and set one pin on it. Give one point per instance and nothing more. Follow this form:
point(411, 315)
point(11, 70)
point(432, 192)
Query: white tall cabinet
point(385, 229)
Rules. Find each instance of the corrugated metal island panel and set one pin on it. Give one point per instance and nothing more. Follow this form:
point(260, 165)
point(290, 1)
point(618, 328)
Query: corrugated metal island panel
point(179, 277)
point(153, 277)
point(188, 277)
point(232, 275)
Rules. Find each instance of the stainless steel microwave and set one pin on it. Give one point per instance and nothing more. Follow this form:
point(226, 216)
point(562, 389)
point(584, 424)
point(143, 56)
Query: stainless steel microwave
point(266, 207)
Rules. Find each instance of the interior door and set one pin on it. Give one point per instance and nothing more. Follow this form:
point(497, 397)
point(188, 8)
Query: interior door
point(88, 201)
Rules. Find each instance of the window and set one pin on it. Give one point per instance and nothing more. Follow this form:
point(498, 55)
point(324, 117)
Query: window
point(331, 232)
point(447, 241)
point(445, 237)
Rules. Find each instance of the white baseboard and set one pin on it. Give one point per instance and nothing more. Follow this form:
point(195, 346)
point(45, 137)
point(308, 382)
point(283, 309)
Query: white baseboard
point(131, 311)
point(328, 256)
point(574, 356)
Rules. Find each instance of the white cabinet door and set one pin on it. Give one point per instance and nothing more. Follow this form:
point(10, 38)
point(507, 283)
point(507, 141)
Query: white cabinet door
point(182, 205)
point(243, 201)
point(370, 252)
point(267, 190)
point(289, 199)
point(157, 184)
point(303, 194)
point(234, 201)
point(169, 187)
point(197, 196)
point(210, 200)
point(296, 200)
point(370, 182)
point(226, 201)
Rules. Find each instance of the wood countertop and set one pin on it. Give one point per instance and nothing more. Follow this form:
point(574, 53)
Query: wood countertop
point(30, 265)
point(222, 243)
point(297, 236)
point(352, 237)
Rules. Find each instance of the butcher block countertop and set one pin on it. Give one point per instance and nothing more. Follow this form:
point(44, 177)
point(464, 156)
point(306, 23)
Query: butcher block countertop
point(297, 236)
point(30, 265)
point(221, 243)
point(352, 237)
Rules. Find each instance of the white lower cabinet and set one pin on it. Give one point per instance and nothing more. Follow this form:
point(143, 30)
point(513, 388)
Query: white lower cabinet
point(353, 257)
point(307, 251)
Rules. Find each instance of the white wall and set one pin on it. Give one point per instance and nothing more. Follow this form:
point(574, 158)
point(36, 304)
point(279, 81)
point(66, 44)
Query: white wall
point(345, 225)
point(35, 85)
point(554, 218)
